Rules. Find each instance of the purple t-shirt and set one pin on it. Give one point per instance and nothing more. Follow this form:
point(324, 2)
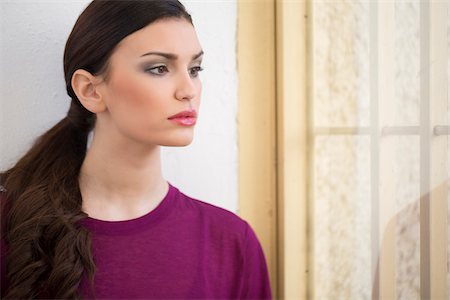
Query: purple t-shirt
point(183, 249)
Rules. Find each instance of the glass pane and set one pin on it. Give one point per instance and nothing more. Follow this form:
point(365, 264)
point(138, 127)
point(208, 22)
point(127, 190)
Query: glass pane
point(407, 63)
point(340, 59)
point(406, 179)
point(342, 231)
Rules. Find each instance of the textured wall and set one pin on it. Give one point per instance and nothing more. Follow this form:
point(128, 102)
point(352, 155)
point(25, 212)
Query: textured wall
point(33, 97)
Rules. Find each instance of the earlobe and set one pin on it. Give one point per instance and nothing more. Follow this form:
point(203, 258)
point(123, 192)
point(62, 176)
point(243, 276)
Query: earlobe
point(84, 84)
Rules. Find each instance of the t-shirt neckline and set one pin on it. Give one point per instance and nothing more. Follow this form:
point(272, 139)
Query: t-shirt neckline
point(132, 225)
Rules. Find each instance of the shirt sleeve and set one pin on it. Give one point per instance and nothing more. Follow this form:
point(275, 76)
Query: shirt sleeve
point(255, 280)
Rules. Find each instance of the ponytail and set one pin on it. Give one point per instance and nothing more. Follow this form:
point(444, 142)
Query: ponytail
point(47, 250)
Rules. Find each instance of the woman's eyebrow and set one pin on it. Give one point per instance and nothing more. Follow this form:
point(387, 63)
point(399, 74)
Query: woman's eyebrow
point(171, 56)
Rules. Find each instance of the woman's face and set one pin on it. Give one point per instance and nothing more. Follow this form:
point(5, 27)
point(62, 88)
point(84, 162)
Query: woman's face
point(143, 90)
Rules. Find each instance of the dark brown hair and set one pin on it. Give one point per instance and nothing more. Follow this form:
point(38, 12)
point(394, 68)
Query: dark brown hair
point(48, 252)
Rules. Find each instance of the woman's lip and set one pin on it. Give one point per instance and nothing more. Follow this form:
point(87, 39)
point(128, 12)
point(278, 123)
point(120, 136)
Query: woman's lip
point(184, 121)
point(192, 113)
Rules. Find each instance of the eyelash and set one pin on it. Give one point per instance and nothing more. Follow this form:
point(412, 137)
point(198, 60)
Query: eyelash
point(197, 69)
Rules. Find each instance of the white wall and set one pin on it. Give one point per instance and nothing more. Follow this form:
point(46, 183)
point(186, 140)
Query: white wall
point(33, 96)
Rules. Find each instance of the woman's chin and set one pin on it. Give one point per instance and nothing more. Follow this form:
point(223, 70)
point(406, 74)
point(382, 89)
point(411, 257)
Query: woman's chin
point(179, 141)
point(178, 144)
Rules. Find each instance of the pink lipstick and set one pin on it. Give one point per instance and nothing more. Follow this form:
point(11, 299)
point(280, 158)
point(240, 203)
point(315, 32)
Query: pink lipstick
point(185, 118)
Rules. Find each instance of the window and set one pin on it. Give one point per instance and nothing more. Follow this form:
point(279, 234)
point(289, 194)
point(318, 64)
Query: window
point(359, 123)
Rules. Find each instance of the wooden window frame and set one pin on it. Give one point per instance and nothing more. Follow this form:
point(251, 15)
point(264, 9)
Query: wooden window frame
point(273, 137)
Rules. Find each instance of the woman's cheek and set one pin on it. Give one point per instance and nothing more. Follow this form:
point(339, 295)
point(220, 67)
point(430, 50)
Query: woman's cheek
point(140, 95)
point(130, 96)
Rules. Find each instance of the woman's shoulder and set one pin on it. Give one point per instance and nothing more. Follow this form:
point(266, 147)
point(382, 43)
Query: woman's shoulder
point(215, 215)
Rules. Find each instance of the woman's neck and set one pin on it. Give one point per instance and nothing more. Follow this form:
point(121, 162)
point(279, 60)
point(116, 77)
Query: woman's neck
point(121, 181)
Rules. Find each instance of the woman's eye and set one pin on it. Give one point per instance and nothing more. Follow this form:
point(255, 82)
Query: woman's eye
point(159, 70)
point(195, 70)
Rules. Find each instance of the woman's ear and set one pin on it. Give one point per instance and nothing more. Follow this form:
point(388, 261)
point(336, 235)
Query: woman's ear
point(85, 86)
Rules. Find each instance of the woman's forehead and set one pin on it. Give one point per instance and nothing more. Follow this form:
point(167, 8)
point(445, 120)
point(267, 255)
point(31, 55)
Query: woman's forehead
point(176, 36)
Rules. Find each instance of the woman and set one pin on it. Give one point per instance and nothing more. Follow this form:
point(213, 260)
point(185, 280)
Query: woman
point(99, 220)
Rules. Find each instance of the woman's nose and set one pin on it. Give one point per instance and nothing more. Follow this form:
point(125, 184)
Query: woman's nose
point(186, 89)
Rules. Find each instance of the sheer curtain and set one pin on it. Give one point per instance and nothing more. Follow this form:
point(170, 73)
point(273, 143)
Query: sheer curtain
point(344, 145)
point(380, 152)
